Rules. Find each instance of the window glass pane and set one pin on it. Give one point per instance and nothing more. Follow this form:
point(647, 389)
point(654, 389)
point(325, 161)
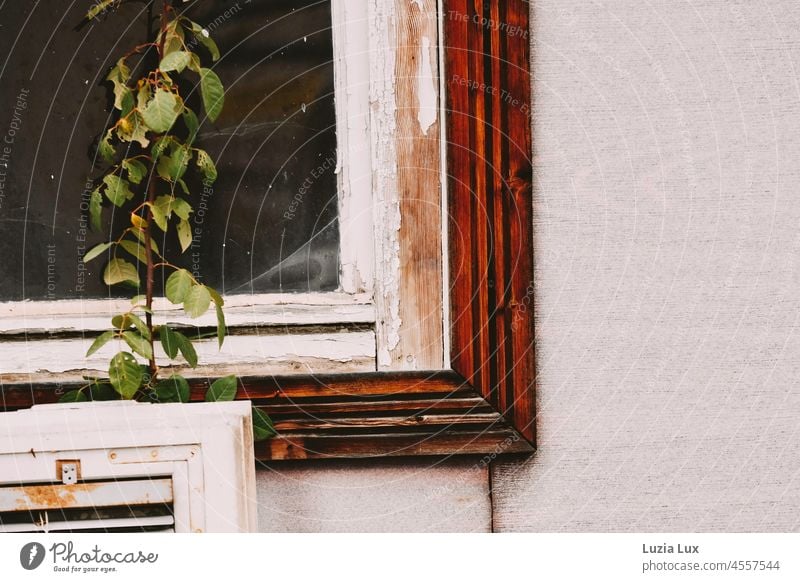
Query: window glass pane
point(268, 224)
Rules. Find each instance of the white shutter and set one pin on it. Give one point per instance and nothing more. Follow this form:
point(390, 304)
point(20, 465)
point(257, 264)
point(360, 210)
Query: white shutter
point(127, 467)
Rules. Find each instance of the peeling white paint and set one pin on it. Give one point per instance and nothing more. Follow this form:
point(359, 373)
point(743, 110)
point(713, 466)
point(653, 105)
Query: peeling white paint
point(426, 89)
point(386, 214)
point(316, 352)
point(354, 168)
point(241, 310)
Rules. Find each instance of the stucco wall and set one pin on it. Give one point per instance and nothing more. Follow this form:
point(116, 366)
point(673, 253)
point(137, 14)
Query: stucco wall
point(667, 153)
point(667, 209)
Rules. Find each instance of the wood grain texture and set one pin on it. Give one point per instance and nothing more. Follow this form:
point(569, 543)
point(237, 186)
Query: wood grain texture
point(420, 344)
point(352, 415)
point(489, 172)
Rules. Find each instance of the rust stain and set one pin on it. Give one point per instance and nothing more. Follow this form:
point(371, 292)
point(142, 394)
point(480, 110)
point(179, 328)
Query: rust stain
point(52, 496)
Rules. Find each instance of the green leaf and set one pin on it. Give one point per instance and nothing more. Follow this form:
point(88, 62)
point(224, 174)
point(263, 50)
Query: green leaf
point(160, 219)
point(221, 328)
point(160, 146)
point(191, 123)
point(98, 343)
point(119, 75)
point(184, 235)
point(120, 271)
point(204, 38)
point(262, 425)
point(216, 297)
point(105, 149)
point(96, 209)
point(169, 341)
point(143, 96)
point(73, 396)
point(197, 301)
point(123, 97)
point(194, 63)
point(186, 348)
point(164, 204)
point(138, 344)
point(173, 389)
point(161, 112)
point(117, 189)
point(135, 249)
point(125, 374)
point(206, 165)
point(218, 303)
point(178, 285)
point(181, 208)
point(133, 128)
point(172, 167)
point(98, 8)
point(96, 251)
point(173, 341)
point(184, 187)
point(121, 322)
point(162, 210)
point(173, 37)
point(213, 93)
point(222, 390)
point(136, 170)
point(139, 324)
point(120, 72)
point(175, 61)
point(127, 103)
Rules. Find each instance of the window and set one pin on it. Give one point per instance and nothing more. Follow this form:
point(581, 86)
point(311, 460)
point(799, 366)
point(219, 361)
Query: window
point(275, 204)
point(291, 239)
point(426, 345)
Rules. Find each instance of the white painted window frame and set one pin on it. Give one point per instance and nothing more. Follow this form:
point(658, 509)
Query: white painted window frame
point(368, 291)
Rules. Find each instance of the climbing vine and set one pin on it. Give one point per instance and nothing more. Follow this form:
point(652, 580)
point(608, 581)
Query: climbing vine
point(147, 154)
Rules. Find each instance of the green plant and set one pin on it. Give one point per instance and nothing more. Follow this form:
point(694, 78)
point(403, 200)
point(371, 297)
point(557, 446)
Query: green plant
point(147, 155)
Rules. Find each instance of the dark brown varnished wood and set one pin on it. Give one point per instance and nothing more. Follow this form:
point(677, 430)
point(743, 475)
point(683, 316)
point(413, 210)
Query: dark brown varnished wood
point(353, 415)
point(490, 204)
point(485, 403)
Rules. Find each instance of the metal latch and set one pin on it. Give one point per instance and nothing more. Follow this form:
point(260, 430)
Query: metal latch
point(69, 471)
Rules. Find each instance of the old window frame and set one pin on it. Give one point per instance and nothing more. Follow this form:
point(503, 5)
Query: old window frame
point(481, 400)
point(46, 340)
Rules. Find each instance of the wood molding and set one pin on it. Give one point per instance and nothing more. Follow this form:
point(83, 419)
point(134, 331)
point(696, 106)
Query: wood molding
point(354, 415)
point(485, 403)
point(490, 202)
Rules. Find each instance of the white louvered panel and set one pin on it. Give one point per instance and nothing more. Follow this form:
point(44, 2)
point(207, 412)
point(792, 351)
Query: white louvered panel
point(110, 524)
point(106, 494)
point(140, 467)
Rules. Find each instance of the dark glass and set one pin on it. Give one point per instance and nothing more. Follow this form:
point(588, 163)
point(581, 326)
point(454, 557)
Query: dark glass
point(269, 223)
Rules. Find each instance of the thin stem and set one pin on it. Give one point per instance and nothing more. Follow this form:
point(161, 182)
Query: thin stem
point(148, 253)
point(138, 49)
point(151, 196)
point(165, 9)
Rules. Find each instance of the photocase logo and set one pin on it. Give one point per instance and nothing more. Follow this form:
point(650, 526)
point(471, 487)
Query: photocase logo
point(31, 555)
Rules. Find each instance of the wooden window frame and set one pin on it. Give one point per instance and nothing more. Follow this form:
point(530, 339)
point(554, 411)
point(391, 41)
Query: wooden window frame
point(483, 402)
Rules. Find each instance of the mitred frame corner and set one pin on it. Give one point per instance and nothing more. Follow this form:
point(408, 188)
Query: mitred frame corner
point(485, 403)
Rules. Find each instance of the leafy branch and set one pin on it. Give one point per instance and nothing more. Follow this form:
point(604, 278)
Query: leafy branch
point(148, 151)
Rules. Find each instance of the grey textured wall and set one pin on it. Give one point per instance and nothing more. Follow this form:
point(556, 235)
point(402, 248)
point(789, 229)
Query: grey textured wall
point(667, 157)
